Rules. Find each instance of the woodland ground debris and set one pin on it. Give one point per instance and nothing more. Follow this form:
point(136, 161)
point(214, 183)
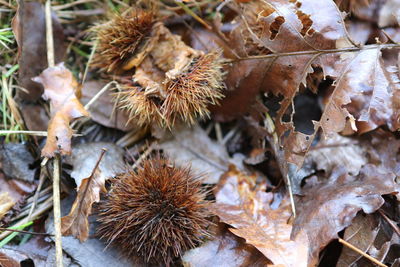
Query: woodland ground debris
point(288, 110)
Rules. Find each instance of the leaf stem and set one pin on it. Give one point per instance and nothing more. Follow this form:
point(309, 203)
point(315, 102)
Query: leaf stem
point(313, 52)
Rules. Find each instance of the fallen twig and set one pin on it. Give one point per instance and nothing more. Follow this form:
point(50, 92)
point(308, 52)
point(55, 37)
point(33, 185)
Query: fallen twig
point(350, 246)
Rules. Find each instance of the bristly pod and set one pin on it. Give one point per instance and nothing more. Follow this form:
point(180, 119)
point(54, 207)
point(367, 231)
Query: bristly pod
point(170, 80)
point(121, 39)
point(156, 213)
point(184, 97)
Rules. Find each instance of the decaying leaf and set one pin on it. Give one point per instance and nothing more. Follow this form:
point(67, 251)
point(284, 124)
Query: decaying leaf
point(84, 159)
point(30, 32)
point(225, 249)
point(327, 208)
point(365, 95)
point(60, 88)
point(247, 208)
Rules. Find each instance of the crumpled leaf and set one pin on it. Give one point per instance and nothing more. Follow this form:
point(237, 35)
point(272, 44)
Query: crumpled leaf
point(84, 159)
point(29, 28)
point(248, 209)
point(225, 249)
point(327, 208)
point(60, 88)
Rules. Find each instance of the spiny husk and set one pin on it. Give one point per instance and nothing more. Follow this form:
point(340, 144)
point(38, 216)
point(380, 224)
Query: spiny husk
point(185, 97)
point(155, 214)
point(190, 93)
point(122, 38)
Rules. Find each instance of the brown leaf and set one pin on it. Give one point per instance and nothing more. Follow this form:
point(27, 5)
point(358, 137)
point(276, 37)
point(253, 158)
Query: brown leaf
point(60, 88)
point(225, 249)
point(84, 159)
point(248, 210)
point(30, 32)
point(76, 222)
point(327, 208)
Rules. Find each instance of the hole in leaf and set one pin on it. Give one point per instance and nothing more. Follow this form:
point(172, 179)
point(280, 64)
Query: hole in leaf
point(272, 103)
point(275, 26)
point(306, 110)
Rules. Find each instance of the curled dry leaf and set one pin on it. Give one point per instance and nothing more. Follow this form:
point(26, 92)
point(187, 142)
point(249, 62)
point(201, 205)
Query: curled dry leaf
point(84, 160)
point(327, 208)
point(248, 210)
point(60, 88)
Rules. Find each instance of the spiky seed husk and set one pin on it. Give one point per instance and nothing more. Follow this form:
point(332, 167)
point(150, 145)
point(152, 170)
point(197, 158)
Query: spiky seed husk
point(187, 96)
point(190, 93)
point(122, 38)
point(155, 214)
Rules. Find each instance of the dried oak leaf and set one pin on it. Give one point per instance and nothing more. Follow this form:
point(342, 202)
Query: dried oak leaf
point(249, 211)
point(84, 159)
point(60, 88)
point(366, 94)
point(327, 208)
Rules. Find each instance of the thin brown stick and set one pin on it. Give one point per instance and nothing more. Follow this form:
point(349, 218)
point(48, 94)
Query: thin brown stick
point(390, 222)
point(49, 35)
point(57, 209)
point(23, 232)
point(57, 159)
point(350, 246)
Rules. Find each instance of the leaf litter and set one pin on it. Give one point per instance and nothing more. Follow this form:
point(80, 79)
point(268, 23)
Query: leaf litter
point(226, 90)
